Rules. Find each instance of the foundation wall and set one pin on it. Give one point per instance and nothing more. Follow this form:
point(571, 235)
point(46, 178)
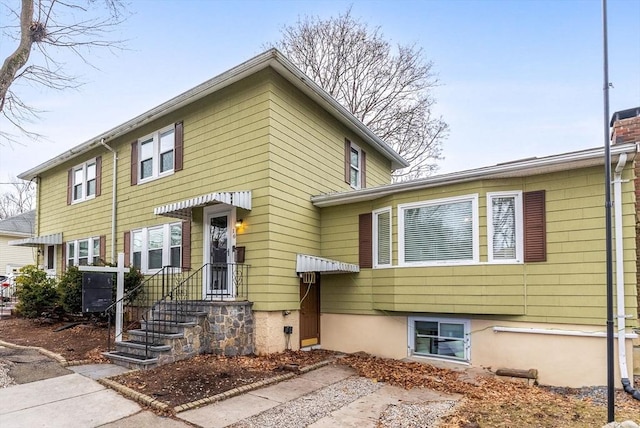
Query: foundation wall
point(561, 359)
point(269, 331)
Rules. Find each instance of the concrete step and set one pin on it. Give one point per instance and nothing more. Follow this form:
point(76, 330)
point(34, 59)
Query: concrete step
point(171, 315)
point(155, 338)
point(163, 326)
point(140, 349)
point(131, 361)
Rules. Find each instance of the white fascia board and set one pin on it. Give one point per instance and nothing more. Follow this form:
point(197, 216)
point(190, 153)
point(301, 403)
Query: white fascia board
point(535, 166)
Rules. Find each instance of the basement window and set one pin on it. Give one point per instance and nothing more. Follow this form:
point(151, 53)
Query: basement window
point(439, 337)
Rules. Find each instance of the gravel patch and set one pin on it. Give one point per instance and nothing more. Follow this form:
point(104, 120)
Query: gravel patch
point(5, 379)
point(312, 407)
point(415, 415)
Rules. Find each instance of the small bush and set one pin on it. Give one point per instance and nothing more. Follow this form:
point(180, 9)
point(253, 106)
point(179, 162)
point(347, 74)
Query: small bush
point(37, 293)
point(70, 290)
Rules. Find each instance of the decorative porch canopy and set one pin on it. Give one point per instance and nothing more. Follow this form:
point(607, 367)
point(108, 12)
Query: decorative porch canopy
point(307, 263)
point(182, 209)
point(35, 241)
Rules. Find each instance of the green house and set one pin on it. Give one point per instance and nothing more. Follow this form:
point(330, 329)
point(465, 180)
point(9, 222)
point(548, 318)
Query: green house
point(263, 216)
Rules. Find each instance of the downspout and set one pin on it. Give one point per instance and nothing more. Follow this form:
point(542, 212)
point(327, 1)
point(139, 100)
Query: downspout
point(622, 351)
point(113, 200)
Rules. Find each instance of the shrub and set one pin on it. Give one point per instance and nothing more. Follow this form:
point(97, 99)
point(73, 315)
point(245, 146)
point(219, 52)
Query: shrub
point(36, 292)
point(70, 290)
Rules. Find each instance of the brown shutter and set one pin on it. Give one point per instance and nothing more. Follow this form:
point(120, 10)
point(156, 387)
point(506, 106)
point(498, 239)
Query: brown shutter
point(347, 161)
point(99, 176)
point(103, 248)
point(178, 146)
point(127, 248)
point(535, 241)
point(186, 245)
point(365, 242)
point(363, 170)
point(134, 163)
point(64, 257)
point(70, 186)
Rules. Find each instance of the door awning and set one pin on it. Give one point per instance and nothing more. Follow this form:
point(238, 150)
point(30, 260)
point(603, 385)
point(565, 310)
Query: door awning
point(182, 209)
point(307, 263)
point(35, 241)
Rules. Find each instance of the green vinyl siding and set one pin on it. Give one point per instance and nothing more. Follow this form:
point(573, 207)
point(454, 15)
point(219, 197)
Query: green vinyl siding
point(259, 134)
point(568, 288)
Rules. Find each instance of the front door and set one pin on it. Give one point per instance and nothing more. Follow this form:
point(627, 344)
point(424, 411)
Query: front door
point(218, 247)
point(309, 310)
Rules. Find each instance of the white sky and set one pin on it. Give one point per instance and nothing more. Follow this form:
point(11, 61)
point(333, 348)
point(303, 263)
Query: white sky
point(519, 78)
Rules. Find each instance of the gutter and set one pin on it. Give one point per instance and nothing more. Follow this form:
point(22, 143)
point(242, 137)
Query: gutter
point(584, 158)
point(113, 199)
point(621, 315)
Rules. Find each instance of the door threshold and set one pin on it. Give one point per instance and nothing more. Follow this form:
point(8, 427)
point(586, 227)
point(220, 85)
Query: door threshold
point(311, 348)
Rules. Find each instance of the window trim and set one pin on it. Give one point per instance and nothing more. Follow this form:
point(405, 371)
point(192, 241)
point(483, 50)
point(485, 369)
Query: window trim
point(84, 167)
point(91, 256)
point(156, 155)
point(166, 247)
point(376, 213)
point(466, 341)
point(519, 223)
point(358, 168)
point(475, 259)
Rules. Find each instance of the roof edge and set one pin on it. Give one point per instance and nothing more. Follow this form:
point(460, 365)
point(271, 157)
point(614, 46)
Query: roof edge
point(495, 171)
point(271, 57)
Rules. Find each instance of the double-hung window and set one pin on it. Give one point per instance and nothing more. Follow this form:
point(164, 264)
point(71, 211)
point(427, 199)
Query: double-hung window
point(84, 181)
point(354, 165)
point(156, 154)
point(157, 247)
point(83, 252)
point(444, 338)
point(439, 231)
point(505, 227)
point(382, 237)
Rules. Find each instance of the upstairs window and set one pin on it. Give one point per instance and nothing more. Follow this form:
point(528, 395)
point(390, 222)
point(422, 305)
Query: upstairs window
point(440, 231)
point(354, 165)
point(84, 181)
point(156, 153)
point(504, 227)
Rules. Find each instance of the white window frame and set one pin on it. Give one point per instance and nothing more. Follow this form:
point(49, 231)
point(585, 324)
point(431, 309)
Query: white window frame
point(519, 224)
point(466, 341)
point(156, 155)
point(357, 168)
point(475, 259)
point(376, 213)
point(166, 247)
point(83, 168)
point(91, 255)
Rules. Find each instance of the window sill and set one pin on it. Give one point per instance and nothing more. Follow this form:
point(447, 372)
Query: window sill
point(157, 177)
point(79, 201)
point(421, 357)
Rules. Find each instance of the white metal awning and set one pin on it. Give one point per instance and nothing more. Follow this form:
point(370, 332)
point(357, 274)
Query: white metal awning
point(307, 263)
point(182, 209)
point(35, 241)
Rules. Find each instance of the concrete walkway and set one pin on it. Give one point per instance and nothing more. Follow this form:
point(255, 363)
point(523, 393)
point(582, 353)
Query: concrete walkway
point(77, 400)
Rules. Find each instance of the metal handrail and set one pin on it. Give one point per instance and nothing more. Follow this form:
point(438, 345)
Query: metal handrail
point(167, 295)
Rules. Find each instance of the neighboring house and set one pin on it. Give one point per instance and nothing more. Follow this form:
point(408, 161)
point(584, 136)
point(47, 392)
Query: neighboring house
point(20, 226)
point(259, 167)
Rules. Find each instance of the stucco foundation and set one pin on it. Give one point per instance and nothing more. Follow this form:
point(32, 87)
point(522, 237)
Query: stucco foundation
point(269, 331)
point(561, 359)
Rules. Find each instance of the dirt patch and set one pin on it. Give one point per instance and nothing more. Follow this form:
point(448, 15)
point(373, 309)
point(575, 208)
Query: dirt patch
point(29, 365)
point(208, 375)
point(81, 342)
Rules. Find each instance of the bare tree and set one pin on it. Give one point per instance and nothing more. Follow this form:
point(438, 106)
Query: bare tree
point(389, 90)
point(18, 199)
point(43, 30)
